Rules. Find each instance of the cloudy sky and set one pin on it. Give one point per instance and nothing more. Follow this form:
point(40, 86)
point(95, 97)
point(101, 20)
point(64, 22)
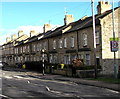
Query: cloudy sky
point(28, 16)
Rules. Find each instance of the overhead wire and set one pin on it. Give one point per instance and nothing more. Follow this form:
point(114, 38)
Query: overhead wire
point(51, 17)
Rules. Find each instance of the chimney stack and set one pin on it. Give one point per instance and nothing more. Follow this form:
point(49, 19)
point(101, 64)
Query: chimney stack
point(46, 27)
point(32, 33)
point(103, 6)
point(13, 37)
point(68, 19)
point(20, 33)
point(7, 39)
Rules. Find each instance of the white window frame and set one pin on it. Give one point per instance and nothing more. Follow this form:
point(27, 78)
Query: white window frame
point(60, 43)
point(65, 59)
point(87, 59)
point(65, 42)
point(54, 44)
point(72, 41)
point(25, 48)
point(37, 46)
point(51, 58)
point(21, 50)
point(34, 47)
point(40, 46)
point(54, 58)
point(97, 37)
point(28, 48)
point(45, 45)
point(84, 39)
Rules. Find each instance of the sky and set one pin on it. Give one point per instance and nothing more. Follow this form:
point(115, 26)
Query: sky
point(28, 16)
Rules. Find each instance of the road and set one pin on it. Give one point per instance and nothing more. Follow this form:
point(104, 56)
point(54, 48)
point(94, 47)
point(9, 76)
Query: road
point(22, 84)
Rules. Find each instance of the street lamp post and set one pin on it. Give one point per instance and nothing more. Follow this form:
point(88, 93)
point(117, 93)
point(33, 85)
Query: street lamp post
point(43, 51)
point(92, 2)
point(115, 71)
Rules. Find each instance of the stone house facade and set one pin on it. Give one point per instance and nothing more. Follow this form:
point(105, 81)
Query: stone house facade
point(74, 40)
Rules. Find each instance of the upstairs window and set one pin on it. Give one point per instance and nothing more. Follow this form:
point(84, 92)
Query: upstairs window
point(54, 44)
point(84, 39)
point(97, 36)
point(34, 47)
point(72, 41)
point(65, 42)
point(28, 48)
point(17, 50)
point(40, 47)
point(37, 47)
point(45, 45)
point(25, 48)
point(60, 43)
point(21, 50)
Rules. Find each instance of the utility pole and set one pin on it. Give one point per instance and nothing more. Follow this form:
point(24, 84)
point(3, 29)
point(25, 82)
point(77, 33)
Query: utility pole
point(43, 51)
point(94, 37)
point(115, 71)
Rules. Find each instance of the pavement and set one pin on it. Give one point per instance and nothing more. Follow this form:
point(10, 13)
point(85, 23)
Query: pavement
point(115, 87)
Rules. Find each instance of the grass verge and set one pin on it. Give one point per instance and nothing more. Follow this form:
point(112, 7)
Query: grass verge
point(108, 80)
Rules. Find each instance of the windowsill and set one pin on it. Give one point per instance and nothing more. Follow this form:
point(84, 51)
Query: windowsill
point(84, 45)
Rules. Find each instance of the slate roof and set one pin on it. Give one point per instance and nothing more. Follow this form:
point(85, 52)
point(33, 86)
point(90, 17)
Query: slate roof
point(56, 32)
point(88, 22)
point(22, 37)
point(80, 24)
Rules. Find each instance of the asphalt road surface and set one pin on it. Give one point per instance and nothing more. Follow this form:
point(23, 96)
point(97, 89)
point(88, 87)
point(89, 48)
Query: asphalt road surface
point(22, 84)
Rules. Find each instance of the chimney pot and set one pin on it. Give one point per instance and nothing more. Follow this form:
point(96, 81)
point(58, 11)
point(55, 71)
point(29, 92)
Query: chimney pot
point(7, 39)
point(13, 37)
point(68, 19)
point(32, 33)
point(20, 33)
point(46, 27)
point(103, 7)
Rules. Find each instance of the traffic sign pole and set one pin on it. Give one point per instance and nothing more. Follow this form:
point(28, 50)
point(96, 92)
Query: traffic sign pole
point(115, 71)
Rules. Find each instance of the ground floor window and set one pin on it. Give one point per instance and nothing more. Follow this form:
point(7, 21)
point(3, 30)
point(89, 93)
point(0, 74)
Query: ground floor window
point(87, 59)
point(67, 59)
point(73, 57)
point(55, 59)
point(80, 56)
point(50, 60)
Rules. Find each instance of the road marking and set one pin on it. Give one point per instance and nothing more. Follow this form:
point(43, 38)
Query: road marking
point(113, 91)
point(5, 96)
point(28, 81)
point(17, 76)
point(8, 77)
point(48, 89)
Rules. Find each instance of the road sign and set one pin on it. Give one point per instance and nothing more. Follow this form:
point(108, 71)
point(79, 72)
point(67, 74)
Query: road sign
point(114, 44)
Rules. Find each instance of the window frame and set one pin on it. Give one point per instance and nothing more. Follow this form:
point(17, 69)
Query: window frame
point(72, 41)
point(60, 43)
point(97, 37)
point(54, 44)
point(65, 42)
point(85, 39)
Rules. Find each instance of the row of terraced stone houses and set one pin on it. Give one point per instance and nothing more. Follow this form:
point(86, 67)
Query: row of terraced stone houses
point(72, 40)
